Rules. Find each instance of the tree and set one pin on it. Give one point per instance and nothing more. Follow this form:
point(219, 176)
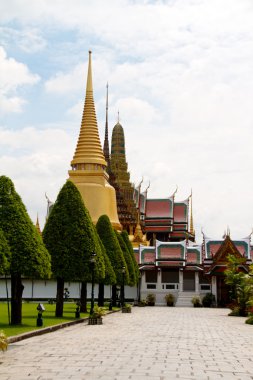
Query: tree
point(110, 277)
point(128, 259)
point(69, 237)
point(29, 257)
point(124, 235)
point(113, 250)
point(241, 285)
point(5, 254)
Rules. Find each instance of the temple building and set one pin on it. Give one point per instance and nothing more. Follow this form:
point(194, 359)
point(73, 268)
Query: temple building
point(169, 259)
point(88, 167)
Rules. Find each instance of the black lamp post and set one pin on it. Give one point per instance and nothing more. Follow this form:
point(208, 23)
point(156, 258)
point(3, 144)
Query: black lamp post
point(92, 263)
point(139, 288)
point(123, 287)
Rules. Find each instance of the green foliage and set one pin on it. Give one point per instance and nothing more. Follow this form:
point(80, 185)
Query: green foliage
point(170, 299)
point(70, 238)
point(125, 237)
point(208, 300)
point(98, 312)
point(5, 254)
point(110, 277)
point(128, 259)
point(240, 283)
point(249, 321)
point(150, 298)
point(196, 301)
point(3, 341)
point(111, 244)
point(29, 256)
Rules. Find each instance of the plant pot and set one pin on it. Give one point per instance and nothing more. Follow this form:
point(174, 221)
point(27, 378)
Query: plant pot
point(151, 304)
point(126, 310)
point(170, 303)
point(95, 321)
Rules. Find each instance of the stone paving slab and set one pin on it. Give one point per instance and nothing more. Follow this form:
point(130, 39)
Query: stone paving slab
point(153, 343)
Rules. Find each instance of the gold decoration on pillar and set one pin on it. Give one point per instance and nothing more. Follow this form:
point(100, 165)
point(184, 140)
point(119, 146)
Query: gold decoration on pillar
point(89, 166)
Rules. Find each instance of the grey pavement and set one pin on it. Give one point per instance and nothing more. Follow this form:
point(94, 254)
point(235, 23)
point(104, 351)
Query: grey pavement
point(158, 343)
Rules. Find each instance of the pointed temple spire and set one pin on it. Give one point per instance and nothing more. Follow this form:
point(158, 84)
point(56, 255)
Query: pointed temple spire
point(88, 171)
point(37, 225)
point(88, 150)
point(106, 141)
point(192, 232)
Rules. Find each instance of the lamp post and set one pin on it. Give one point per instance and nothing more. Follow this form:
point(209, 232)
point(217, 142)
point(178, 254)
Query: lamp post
point(139, 288)
point(92, 263)
point(123, 287)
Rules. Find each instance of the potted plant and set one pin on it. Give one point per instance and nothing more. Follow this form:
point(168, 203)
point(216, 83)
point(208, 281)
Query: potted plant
point(208, 300)
point(142, 303)
point(170, 299)
point(196, 301)
point(150, 299)
point(127, 308)
point(3, 341)
point(96, 317)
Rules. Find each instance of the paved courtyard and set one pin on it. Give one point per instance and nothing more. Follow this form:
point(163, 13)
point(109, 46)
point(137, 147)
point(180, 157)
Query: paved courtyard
point(156, 343)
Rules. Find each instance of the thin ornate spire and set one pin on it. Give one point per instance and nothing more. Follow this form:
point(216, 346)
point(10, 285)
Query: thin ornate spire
point(106, 141)
point(37, 225)
point(88, 149)
point(192, 232)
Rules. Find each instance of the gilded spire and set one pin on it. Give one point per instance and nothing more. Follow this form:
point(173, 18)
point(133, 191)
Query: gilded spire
point(88, 149)
point(106, 141)
point(37, 225)
point(192, 232)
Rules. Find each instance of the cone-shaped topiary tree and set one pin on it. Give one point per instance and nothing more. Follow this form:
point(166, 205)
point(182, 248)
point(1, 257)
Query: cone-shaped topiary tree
point(124, 236)
point(29, 257)
point(110, 277)
point(128, 259)
point(113, 250)
point(5, 254)
point(69, 237)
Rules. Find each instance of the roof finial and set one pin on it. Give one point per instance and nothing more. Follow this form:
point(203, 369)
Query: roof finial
point(192, 232)
point(37, 225)
point(118, 116)
point(106, 141)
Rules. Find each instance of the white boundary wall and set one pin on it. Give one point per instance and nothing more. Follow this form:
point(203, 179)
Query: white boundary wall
point(46, 289)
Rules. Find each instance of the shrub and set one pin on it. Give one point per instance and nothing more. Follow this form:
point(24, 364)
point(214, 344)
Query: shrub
point(196, 301)
point(208, 300)
point(170, 299)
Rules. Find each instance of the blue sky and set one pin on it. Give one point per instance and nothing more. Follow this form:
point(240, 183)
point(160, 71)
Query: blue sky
point(181, 75)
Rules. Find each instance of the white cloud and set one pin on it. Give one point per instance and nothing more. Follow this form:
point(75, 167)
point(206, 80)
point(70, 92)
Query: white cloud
point(181, 75)
point(13, 75)
point(38, 162)
point(28, 40)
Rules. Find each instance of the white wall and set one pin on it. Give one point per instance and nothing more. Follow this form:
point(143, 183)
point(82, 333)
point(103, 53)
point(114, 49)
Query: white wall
point(47, 289)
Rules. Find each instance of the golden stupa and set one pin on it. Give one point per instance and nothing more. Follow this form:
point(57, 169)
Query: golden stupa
point(89, 166)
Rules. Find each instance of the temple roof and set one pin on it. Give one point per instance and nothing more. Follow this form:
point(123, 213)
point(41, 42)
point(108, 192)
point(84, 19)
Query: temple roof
point(212, 246)
point(88, 149)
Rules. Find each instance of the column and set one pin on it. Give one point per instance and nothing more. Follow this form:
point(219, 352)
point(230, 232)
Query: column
point(214, 288)
point(181, 280)
point(197, 282)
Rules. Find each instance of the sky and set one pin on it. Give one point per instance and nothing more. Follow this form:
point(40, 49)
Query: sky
point(180, 73)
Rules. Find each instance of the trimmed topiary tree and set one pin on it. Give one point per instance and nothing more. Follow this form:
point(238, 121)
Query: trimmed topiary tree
point(5, 254)
point(113, 250)
point(70, 238)
point(110, 277)
point(128, 259)
point(125, 237)
point(29, 257)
